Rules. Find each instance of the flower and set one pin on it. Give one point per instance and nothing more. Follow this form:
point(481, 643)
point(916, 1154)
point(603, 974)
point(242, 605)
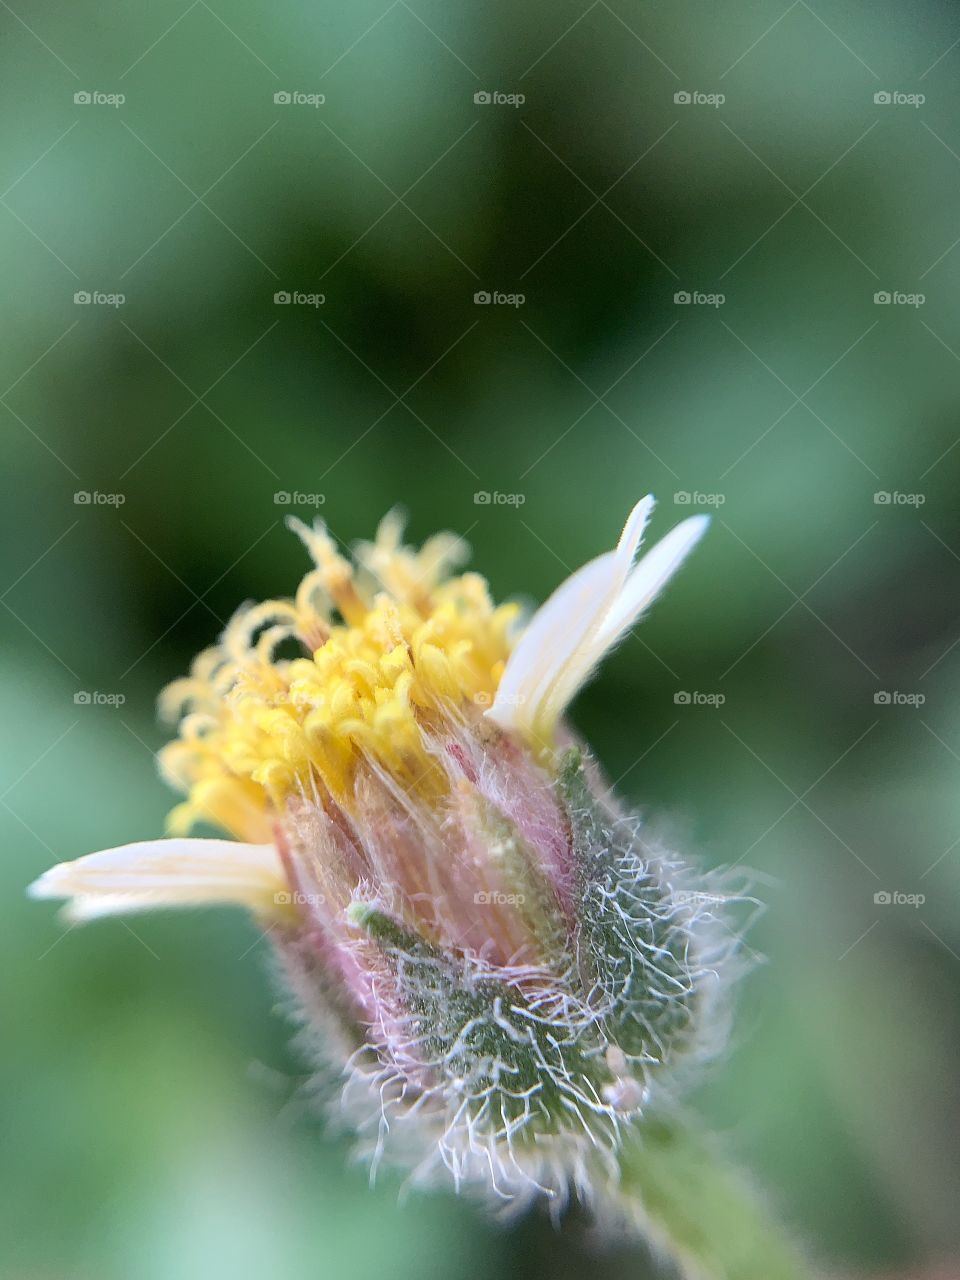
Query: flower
point(497, 965)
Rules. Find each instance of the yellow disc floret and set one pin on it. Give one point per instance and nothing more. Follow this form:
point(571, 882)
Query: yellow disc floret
point(397, 649)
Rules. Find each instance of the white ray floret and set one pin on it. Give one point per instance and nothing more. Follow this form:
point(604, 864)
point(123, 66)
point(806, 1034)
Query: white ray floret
point(576, 627)
point(176, 872)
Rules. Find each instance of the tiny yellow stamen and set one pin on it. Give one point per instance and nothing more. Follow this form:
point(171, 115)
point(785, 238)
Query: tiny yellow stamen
point(396, 647)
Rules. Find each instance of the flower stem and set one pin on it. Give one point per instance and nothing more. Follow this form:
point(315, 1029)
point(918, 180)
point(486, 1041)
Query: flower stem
point(701, 1212)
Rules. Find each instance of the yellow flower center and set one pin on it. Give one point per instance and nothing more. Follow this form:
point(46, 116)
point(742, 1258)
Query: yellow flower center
point(399, 650)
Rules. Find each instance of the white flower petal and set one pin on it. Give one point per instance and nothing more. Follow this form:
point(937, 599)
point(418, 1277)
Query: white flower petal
point(634, 529)
point(545, 660)
point(573, 674)
point(570, 634)
point(649, 576)
point(81, 910)
point(177, 872)
point(551, 639)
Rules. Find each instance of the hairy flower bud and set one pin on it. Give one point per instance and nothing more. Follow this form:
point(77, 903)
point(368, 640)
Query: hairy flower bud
point(497, 969)
point(507, 1034)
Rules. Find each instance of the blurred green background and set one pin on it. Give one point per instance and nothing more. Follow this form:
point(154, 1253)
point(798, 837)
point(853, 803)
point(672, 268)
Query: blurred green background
point(151, 1116)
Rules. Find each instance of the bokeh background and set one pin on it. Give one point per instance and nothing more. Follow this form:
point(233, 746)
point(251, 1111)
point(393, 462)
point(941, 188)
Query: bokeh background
point(151, 1115)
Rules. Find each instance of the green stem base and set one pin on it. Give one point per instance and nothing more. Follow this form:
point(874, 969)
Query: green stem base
point(699, 1211)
